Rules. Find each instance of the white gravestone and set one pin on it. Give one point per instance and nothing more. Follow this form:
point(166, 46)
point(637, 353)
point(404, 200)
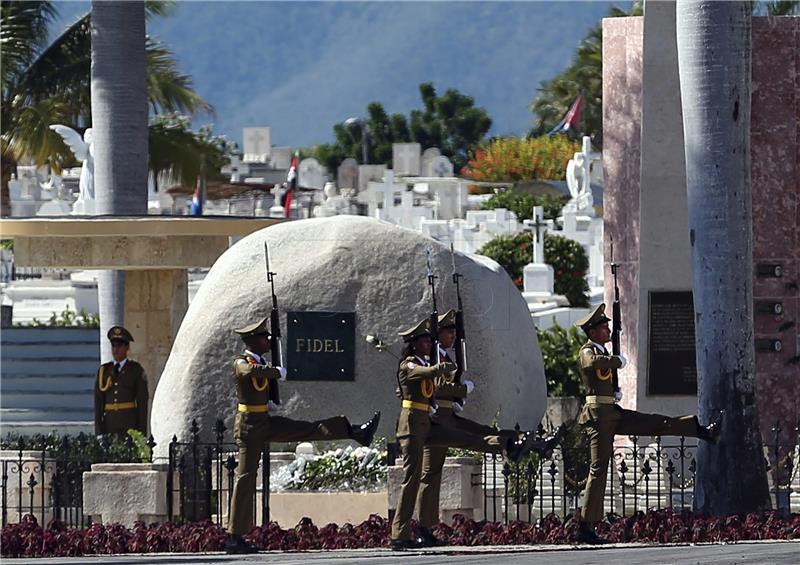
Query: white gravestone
point(537, 278)
point(405, 158)
point(257, 144)
point(368, 173)
point(235, 169)
point(427, 161)
point(333, 204)
point(441, 167)
point(281, 157)
point(311, 174)
point(347, 174)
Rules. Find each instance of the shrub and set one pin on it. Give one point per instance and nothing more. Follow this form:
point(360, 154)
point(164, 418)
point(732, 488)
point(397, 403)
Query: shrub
point(522, 204)
point(67, 319)
point(515, 159)
point(83, 447)
point(567, 257)
point(559, 348)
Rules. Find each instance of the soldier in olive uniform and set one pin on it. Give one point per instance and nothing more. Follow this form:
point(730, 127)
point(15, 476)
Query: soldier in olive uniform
point(120, 392)
point(255, 426)
point(603, 418)
point(417, 380)
point(450, 397)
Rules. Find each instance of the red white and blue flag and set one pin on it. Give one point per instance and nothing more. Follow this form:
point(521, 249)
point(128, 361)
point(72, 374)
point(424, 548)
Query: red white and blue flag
point(197, 202)
point(571, 119)
point(291, 185)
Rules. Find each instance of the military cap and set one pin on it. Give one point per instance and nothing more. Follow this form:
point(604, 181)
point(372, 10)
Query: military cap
point(447, 319)
point(118, 333)
point(594, 318)
point(260, 327)
point(419, 330)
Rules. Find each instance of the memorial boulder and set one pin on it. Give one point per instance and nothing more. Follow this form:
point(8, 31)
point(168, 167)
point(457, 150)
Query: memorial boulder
point(338, 280)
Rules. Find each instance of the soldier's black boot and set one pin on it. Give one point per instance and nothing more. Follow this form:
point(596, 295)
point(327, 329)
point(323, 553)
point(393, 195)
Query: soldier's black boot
point(516, 449)
point(403, 544)
point(236, 544)
point(586, 534)
point(710, 433)
point(429, 539)
point(364, 433)
point(545, 446)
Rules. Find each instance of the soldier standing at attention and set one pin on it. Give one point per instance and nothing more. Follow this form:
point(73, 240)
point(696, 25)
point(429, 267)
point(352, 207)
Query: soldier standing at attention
point(450, 397)
point(255, 426)
point(417, 378)
point(603, 418)
point(120, 392)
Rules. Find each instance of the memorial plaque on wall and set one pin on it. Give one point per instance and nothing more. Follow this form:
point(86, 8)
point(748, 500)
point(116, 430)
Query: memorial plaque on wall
point(320, 346)
point(671, 363)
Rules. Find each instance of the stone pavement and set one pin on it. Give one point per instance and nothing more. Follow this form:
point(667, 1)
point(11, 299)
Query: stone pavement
point(767, 553)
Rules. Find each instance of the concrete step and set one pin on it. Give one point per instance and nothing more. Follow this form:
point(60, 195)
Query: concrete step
point(49, 366)
point(49, 401)
point(50, 335)
point(48, 383)
point(72, 350)
point(13, 415)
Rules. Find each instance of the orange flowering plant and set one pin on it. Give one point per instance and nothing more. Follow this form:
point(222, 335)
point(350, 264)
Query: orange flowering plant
point(514, 159)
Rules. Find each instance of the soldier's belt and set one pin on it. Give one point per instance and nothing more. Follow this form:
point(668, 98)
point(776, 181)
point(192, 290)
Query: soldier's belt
point(416, 405)
point(254, 408)
point(444, 403)
point(593, 399)
point(114, 406)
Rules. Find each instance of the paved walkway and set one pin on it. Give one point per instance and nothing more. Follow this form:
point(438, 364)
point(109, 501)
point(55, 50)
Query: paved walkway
point(766, 553)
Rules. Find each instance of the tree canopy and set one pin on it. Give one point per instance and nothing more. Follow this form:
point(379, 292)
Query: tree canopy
point(450, 122)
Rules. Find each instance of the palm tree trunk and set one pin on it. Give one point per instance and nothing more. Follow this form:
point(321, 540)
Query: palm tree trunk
point(119, 128)
point(714, 48)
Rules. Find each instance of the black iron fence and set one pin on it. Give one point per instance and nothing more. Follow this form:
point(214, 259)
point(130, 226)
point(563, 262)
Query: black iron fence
point(644, 473)
point(201, 477)
point(43, 475)
point(46, 478)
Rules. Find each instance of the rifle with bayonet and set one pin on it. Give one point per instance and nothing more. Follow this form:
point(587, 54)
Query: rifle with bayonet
point(461, 338)
point(616, 320)
point(435, 312)
point(275, 332)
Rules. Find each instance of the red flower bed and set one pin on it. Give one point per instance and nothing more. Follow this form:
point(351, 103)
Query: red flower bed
point(28, 539)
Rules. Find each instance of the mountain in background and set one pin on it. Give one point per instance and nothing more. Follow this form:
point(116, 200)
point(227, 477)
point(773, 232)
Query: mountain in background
point(300, 67)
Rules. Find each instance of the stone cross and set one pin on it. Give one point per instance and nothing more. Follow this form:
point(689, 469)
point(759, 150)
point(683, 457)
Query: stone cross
point(538, 227)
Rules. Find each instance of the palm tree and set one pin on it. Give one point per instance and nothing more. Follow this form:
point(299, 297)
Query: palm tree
point(50, 83)
point(714, 50)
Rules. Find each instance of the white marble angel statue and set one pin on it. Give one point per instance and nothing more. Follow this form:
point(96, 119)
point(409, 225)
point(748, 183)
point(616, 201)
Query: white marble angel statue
point(83, 149)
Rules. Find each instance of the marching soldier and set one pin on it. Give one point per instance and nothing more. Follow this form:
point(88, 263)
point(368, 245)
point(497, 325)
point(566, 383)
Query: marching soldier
point(449, 401)
point(255, 426)
point(120, 392)
point(603, 418)
point(417, 378)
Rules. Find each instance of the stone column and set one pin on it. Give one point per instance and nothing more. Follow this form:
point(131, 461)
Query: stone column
point(155, 303)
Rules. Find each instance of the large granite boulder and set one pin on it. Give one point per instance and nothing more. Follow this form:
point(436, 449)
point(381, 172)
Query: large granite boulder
point(349, 264)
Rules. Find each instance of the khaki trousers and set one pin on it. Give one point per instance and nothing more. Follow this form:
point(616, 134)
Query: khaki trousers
point(412, 448)
point(252, 431)
point(433, 462)
point(601, 434)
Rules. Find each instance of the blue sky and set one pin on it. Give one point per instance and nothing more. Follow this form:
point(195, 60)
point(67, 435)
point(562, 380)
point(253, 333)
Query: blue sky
point(300, 67)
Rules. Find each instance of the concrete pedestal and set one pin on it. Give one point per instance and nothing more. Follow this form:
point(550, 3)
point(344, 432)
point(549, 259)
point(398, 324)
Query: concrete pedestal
point(125, 493)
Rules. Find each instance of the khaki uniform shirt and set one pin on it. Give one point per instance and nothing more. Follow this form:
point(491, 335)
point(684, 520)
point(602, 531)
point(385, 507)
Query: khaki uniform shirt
point(253, 379)
point(127, 387)
point(597, 367)
point(417, 380)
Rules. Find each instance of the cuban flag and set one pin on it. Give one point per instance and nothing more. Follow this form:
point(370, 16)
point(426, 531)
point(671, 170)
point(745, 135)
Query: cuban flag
point(291, 185)
point(197, 202)
point(571, 119)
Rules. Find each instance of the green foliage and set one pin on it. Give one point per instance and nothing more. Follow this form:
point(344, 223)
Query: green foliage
point(68, 318)
point(83, 447)
point(450, 122)
point(584, 76)
point(522, 203)
point(7, 244)
point(515, 159)
point(567, 257)
point(777, 8)
point(559, 347)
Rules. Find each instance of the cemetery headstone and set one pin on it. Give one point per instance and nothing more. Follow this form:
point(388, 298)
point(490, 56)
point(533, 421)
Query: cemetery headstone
point(367, 173)
point(347, 174)
point(441, 167)
point(281, 157)
point(406, 158)
point(257, 144)
point(311, 174)
point(427, 161)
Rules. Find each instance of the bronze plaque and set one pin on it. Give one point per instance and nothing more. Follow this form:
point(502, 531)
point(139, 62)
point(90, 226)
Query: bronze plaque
point(671, 362)
point(321, 346)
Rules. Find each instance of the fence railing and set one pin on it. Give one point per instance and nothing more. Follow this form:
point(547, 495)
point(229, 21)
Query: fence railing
point(46, 479)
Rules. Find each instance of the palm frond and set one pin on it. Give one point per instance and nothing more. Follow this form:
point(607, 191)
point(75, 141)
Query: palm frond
point(23, 33)
point(168, 89)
